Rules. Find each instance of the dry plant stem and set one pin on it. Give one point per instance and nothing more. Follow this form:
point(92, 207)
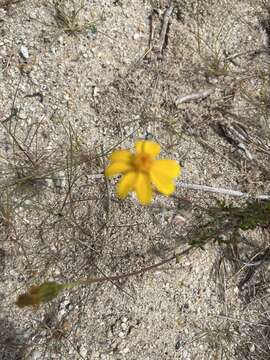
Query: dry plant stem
point(195, 96)
point(221, 191)
point(90, 281)
point(207, 188)
point(151, 31)
point(241, 321)
point(164, 29)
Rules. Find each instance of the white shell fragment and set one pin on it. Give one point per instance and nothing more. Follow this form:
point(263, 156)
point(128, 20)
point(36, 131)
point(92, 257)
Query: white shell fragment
point(24, 52)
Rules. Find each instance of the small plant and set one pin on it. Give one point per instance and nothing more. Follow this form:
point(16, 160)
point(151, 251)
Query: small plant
point(219, 339)
point(209, 41)
point(67, 16)
point(228, 220)
point(223, 225)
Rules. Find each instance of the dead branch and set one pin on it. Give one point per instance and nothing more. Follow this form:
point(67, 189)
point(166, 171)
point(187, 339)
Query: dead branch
point(194, 96)
point(164, 29)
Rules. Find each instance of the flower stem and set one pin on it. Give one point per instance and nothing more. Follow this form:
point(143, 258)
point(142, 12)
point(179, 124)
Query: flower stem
point(134, 273)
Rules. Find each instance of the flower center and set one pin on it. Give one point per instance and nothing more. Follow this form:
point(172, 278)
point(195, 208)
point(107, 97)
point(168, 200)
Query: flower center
point(143, 162)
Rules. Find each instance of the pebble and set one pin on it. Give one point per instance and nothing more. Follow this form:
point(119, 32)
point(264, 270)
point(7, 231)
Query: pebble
point(3, 51)
point(24, 52)
point(53, 50)
point(28, 203)
point(179, 220)
point(125, 350)
point(95, 91)
point(121, 334)
point(83, 351)
point(102, 357)
point(36, 355)
point(236, 290)
point(124, 326)
point(178, 345)
point(64, 307)
point(136, 36)
point(60, 40)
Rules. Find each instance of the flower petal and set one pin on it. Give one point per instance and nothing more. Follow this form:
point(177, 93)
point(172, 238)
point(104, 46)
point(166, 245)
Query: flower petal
point(117, 168)
point(167, 168)
point(121, 155)
point(143, 188)
point(126, 184)
point(147, 147)
point(164, 184)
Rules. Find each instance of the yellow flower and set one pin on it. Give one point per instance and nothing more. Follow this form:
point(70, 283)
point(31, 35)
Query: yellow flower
point(141, 171)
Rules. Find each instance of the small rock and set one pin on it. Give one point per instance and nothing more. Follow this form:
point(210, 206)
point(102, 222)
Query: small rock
point(28, 203)
point(95, 90)
point(36, 355)
point(2, 13)
point(64, 307)
point(236, 290)
point(57, 272)
point(60, 39)
point(83, 351)
point(124, 326)
point(179, 220)
point(121, 334)
point(3, 51)
point(178, 345)
point(136, 36)
point(125, 350)
point(24, 52)
point(102, 357)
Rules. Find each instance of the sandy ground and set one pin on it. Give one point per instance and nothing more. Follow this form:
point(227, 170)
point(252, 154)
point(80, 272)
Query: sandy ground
point(75, 89)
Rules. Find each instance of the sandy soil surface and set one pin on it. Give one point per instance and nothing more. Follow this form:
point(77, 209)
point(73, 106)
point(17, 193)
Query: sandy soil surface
point(78, 79)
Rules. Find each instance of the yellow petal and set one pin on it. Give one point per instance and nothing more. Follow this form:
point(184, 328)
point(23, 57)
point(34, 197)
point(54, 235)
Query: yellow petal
point(143, 188)
point(121, 155)
point(126, 184)
point(117, 168)
point(164, 184)
point(167, 168)
point(147, 147)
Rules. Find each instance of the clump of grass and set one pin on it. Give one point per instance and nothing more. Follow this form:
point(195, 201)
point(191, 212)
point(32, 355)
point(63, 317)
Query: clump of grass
point(217, 338)
point(209, 39)
point(67, 16)
point(255, 339)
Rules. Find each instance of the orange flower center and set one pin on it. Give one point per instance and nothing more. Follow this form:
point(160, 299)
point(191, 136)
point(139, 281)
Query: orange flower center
point(143, 162)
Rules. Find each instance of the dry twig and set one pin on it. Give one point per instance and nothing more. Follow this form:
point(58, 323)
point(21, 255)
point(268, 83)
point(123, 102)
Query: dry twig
point(222, 191)
point(195, 96)
point(164, 29)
